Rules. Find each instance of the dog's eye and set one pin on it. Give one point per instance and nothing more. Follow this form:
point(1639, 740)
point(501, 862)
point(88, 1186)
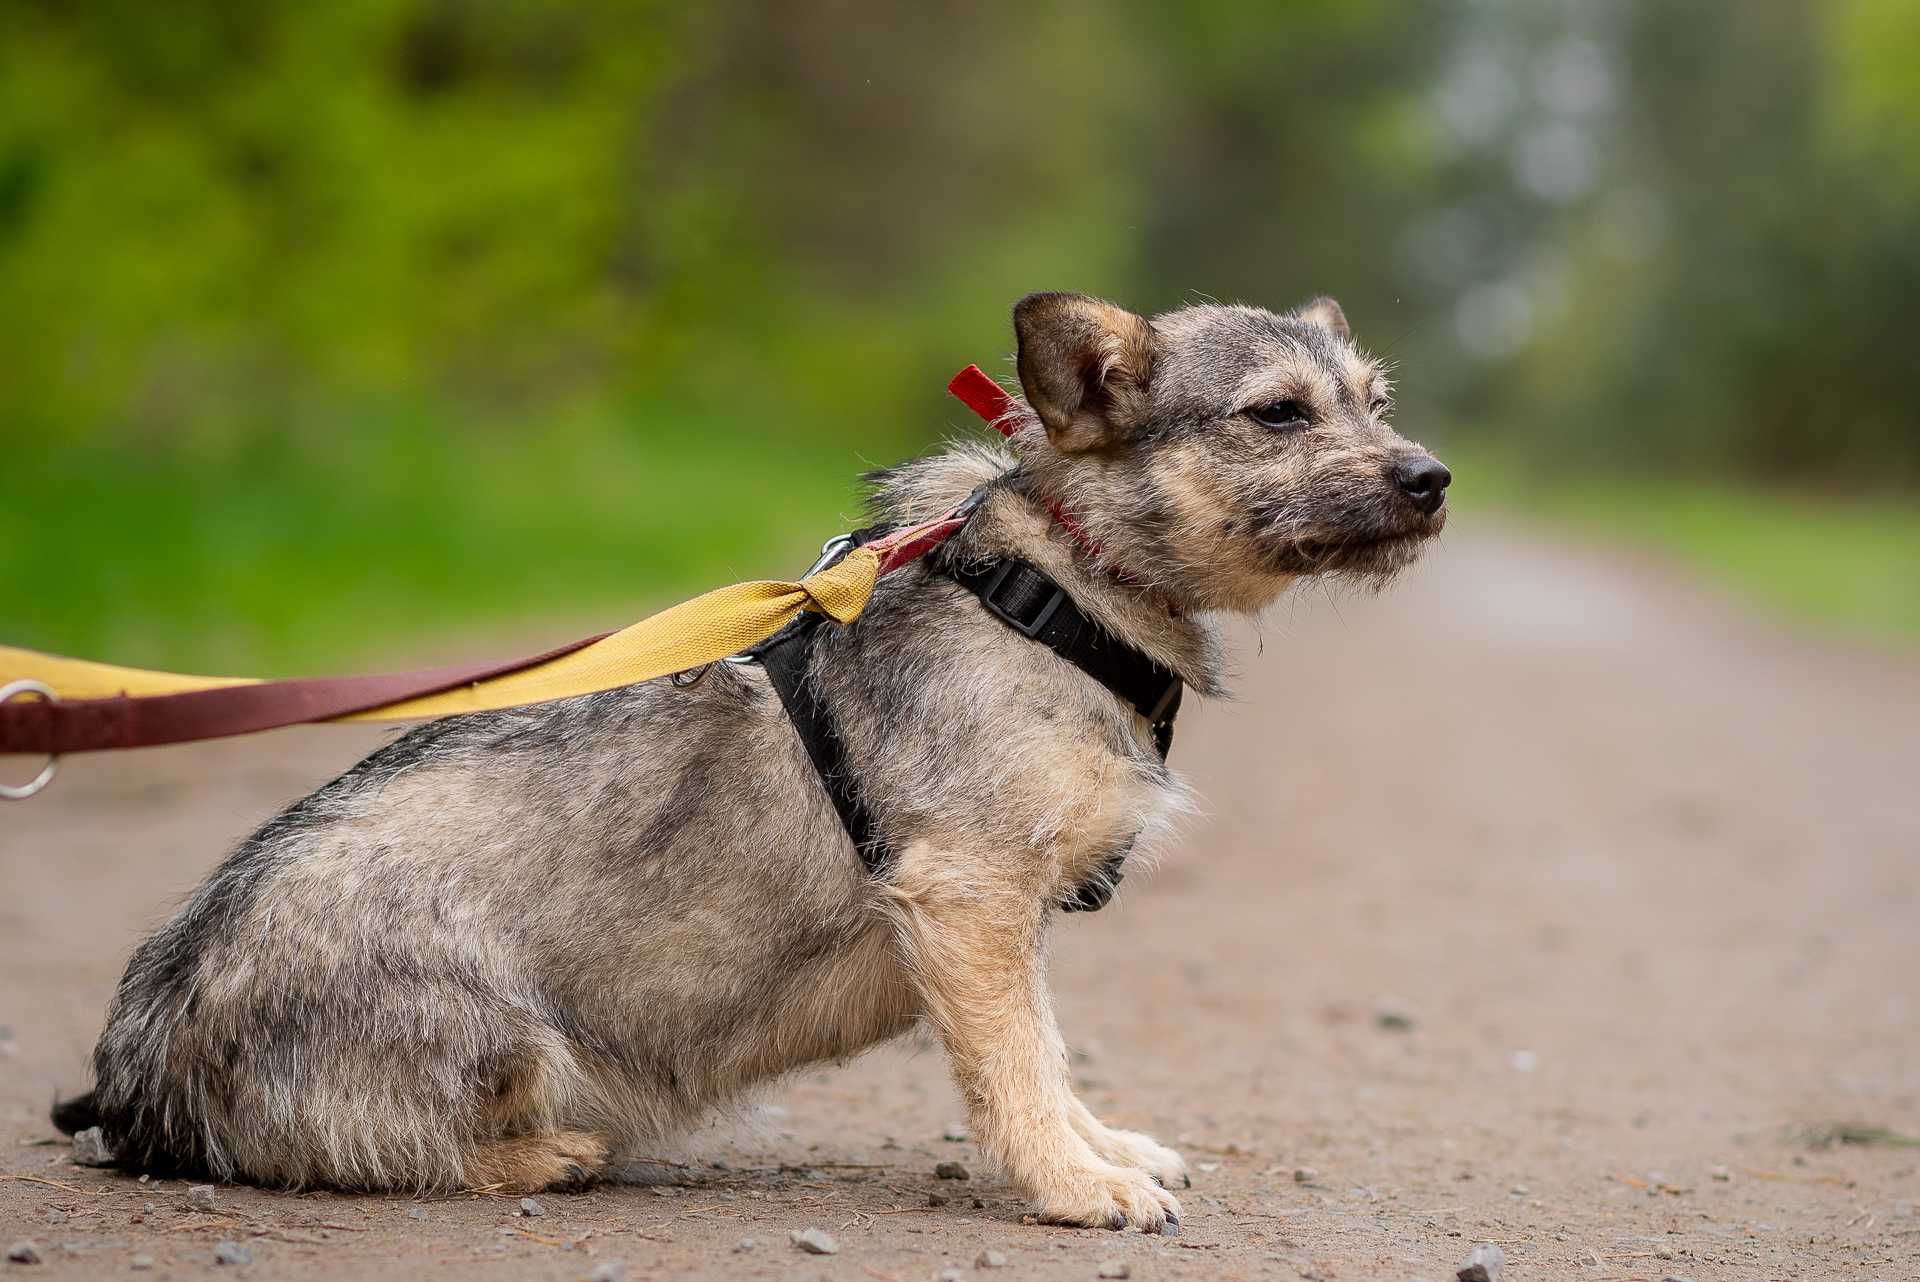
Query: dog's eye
point(1282, 414)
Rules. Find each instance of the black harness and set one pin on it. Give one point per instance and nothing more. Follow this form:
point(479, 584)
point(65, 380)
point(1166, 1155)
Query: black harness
point(1026, 600)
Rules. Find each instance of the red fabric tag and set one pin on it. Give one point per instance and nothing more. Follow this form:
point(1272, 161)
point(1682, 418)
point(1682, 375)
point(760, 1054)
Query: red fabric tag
point(984, 397)
point(990, 401)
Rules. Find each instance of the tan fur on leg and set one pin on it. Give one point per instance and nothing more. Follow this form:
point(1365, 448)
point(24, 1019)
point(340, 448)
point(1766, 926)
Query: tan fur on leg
point(975, 938)
point(529, 1163)
point(1131, 1148)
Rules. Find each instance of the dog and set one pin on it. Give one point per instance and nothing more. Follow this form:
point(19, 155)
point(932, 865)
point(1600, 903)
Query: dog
point(509, 947)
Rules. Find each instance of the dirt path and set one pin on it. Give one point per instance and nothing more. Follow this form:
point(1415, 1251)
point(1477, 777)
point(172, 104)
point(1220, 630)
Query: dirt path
point(1639, 875)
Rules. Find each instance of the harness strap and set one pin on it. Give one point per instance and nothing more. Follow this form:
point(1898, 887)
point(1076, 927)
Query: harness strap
point(786, 659)
point(1030, 602)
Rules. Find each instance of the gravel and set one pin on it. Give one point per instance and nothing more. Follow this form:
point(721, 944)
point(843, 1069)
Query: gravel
point(232, 1253)
point(24, 1252)
point(814, 1241)
point(200, 1197)
point(952, 1171)
point(1483, 1264)
point(90, 1148)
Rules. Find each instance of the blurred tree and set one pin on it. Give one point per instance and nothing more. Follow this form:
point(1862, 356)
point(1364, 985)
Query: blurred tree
point(352, 256)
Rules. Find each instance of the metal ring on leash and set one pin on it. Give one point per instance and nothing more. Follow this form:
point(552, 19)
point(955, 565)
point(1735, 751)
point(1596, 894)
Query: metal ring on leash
point(11, 792)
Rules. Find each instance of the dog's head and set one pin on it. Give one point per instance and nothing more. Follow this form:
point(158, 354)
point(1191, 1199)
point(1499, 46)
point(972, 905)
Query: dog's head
point(1219, 452)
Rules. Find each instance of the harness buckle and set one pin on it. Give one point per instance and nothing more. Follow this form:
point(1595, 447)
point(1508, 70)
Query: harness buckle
point(1029, 628)
point(830, 551)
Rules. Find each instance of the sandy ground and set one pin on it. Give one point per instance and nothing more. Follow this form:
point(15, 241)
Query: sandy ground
point(1539, 902)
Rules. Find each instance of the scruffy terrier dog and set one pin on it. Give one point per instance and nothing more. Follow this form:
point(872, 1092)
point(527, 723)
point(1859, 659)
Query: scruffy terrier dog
point(510, 947)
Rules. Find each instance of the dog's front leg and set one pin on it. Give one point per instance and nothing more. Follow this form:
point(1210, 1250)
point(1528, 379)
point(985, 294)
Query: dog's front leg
point(975, 935)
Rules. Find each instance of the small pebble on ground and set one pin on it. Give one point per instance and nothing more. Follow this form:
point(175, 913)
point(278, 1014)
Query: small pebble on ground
point(531, 1208)
point(416, 1212)
point(952, 1171)
point(90, 1148)
point(232, 1253)
point(609, 1271)
point(814, 1241)
point(1483, 1263)
point(990, 1259)
point(1392, 1018)
point(956, 1134)
point(1305, 1175)
point(1115, 1269)
point(140, 1263)
point(200, 1197)
point(24, 1252)
point(745, 1244)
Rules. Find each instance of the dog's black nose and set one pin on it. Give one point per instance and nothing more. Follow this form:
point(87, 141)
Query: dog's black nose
point(1424, 479)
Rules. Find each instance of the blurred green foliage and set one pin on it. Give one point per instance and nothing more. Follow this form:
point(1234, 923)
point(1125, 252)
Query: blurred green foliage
point(326, 324)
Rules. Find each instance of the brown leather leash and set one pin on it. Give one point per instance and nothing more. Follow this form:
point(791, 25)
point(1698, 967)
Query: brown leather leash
point(106, 708)
point(57, 727)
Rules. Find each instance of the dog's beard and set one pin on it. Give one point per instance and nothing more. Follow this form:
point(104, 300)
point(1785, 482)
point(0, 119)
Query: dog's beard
point(1372, 552)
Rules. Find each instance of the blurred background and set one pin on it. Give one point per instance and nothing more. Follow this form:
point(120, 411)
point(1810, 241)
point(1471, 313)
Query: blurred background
point(328, 327)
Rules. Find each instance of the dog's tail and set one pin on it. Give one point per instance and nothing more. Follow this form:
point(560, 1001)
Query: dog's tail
point(77, 1114)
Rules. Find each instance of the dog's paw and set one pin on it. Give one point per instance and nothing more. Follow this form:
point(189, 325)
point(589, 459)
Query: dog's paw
point(1131, 1148)
point(1109, 1197)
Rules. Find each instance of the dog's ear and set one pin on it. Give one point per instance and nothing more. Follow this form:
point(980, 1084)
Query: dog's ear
point(1084, 366)
point(1323, 311)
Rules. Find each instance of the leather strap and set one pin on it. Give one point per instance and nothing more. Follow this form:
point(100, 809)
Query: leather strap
point(89, 725)
point(100, 706)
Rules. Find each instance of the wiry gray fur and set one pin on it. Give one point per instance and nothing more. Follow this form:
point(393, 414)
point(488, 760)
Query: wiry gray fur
point(604, 915)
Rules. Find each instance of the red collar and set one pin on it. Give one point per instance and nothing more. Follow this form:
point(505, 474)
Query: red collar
point(990, 401)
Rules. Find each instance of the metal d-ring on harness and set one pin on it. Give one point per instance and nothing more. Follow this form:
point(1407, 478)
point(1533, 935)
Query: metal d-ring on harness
point(20, 792)
point(1026, 600)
